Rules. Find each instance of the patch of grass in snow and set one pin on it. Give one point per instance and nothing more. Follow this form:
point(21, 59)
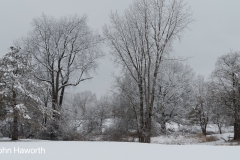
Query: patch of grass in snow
point(176, 139)
point(235, 143)
point(211, 138)
point(183, 139)
point(203, 138)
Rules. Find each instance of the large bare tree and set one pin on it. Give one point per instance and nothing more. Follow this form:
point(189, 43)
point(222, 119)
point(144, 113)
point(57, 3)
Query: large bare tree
point(140, 39)
point(66, 50)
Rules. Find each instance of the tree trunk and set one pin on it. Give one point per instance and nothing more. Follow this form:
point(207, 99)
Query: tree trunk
point(55, 123)
point(61, 97)
point(141, 123)
point(236, 131)
point(149, 129)
point(235, 106)
point(15, 118)
point(236, 124)
point(22, 131)
point(163, 128)
point(220, 128)
point(204, 130)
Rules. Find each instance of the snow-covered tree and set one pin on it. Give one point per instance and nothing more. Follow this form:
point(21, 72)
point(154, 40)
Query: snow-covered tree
point(19, 89)
point(226, 82)
point(174, 93)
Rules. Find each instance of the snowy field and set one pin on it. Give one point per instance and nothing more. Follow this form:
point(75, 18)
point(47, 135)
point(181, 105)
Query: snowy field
point(118, 151)
point(176, 146)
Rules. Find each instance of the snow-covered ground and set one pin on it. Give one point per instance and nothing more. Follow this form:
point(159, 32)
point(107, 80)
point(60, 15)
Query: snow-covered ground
point(193, 139)
point(196, 129)
point(118, 151)
point(177, 146)
point(185, 135)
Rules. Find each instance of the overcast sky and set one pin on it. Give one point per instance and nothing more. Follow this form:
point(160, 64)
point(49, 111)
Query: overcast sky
point(215, 32)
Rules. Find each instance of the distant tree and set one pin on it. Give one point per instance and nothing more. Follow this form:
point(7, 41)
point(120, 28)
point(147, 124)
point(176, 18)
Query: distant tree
point(85, 114)
point(19, 89)
point(103, 109)
point(125, 104)
point(221, 115)
point(201, 112)
point(173, 93)
point(140, 39)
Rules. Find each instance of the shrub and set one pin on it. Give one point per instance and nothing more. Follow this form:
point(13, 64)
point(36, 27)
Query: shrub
point(113, 134)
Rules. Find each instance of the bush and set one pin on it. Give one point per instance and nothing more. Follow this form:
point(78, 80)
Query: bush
point(113, 134)
point(72, 136)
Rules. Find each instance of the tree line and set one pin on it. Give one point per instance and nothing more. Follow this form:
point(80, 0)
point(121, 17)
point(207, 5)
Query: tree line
point(153, 89)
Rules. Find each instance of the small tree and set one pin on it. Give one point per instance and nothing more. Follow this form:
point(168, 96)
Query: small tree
point(221, 115)
point(201, 111)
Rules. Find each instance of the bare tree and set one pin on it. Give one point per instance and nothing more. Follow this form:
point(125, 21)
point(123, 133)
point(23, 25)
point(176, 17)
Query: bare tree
point(66, 50)
point(140, 40)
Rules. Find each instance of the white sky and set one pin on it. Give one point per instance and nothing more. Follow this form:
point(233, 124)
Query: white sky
point(215, 32)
